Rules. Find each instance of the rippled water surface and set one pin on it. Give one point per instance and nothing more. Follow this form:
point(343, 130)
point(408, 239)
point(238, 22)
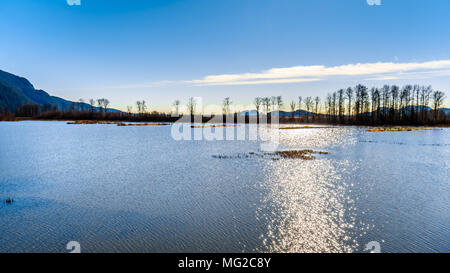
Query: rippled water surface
point(135, 189)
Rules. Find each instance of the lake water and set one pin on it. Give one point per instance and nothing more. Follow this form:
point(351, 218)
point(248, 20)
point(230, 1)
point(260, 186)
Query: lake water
point(136, 189)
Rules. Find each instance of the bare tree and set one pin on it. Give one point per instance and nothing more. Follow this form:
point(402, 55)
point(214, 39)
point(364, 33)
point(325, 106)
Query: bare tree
point(317, 101)
point(438, 99)
point(129, 109)
point(273, 102)
point(105, 104)
point(425, 93)
point(258, 101)
point(92, 104)
point(176, 104)
point(293, 108)
point(226, 105)
point(139, 106)
point(100, 104)
point(143, 106)
point(385, 93)
point(349, 94)
point(308, 104)
point(191, 106)
point(279, 103)
point(266, 103)
point(341, 104)
point(300, 106)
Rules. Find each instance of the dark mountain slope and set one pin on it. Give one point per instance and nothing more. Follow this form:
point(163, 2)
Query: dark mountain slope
point(16, 91)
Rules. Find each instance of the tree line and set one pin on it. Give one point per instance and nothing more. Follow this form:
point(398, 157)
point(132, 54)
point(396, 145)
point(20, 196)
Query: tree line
point(411, 104)
point(390, 104)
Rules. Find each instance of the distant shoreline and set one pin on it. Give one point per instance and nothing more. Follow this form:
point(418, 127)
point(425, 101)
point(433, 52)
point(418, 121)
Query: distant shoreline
point(169, 121)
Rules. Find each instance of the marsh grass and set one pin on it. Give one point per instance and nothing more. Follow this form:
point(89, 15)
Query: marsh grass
point(302, 127)
point(140, 124)
point(399, 129)
point(301, 154)
point(114, 122)
point(291, 154)
point(89, 122)
point(212, 126)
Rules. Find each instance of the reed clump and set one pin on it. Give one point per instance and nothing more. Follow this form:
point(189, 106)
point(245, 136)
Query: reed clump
point(301, 154)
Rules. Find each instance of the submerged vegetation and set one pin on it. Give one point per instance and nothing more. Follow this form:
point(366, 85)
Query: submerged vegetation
point(306, 154)
point(212, 126)
point(400, 129)
point(302, 127)
point(140, 124)
point(302, 154)
point(118, 123)
point(89, 122)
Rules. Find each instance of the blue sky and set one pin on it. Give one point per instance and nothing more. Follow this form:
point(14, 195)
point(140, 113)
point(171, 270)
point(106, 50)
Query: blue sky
point(160, 51)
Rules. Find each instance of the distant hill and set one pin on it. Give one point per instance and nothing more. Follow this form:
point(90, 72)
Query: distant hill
point(16, 91)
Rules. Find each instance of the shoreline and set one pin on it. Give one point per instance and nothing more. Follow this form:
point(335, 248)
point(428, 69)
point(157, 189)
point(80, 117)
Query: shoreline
point(292, 125)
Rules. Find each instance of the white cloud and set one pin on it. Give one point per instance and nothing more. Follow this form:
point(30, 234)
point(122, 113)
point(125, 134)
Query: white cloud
point(74, 2)
point(265, 81)
point(320, 72)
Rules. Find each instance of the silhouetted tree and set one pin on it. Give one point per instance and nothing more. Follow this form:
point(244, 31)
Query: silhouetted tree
point(341, 104)
point(27, 110)
point(100, 104)
point(105, 104)
point(226, 106)
point(92, 105)
point(438, 99)
point(316, 110)
point(258, 101)
point(300, 106)
point(308, 103)
point(176, 104)
point(293, 108)
point(266, 103)
point(349, 94)
point(279, 103)
point(192, 104)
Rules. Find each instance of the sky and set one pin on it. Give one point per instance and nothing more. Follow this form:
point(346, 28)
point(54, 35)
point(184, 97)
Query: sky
point(163, 50)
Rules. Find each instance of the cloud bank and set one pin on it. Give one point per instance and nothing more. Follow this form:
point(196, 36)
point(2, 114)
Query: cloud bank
point(380, 70)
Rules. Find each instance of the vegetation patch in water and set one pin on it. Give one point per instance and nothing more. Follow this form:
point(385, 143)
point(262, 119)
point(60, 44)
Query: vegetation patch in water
point(212, 126)
point(301, 154)
point(301, 127)
point(293, 154)
point(113, 122)
point(399, 129)
point(90, 122)
point(140, 124)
